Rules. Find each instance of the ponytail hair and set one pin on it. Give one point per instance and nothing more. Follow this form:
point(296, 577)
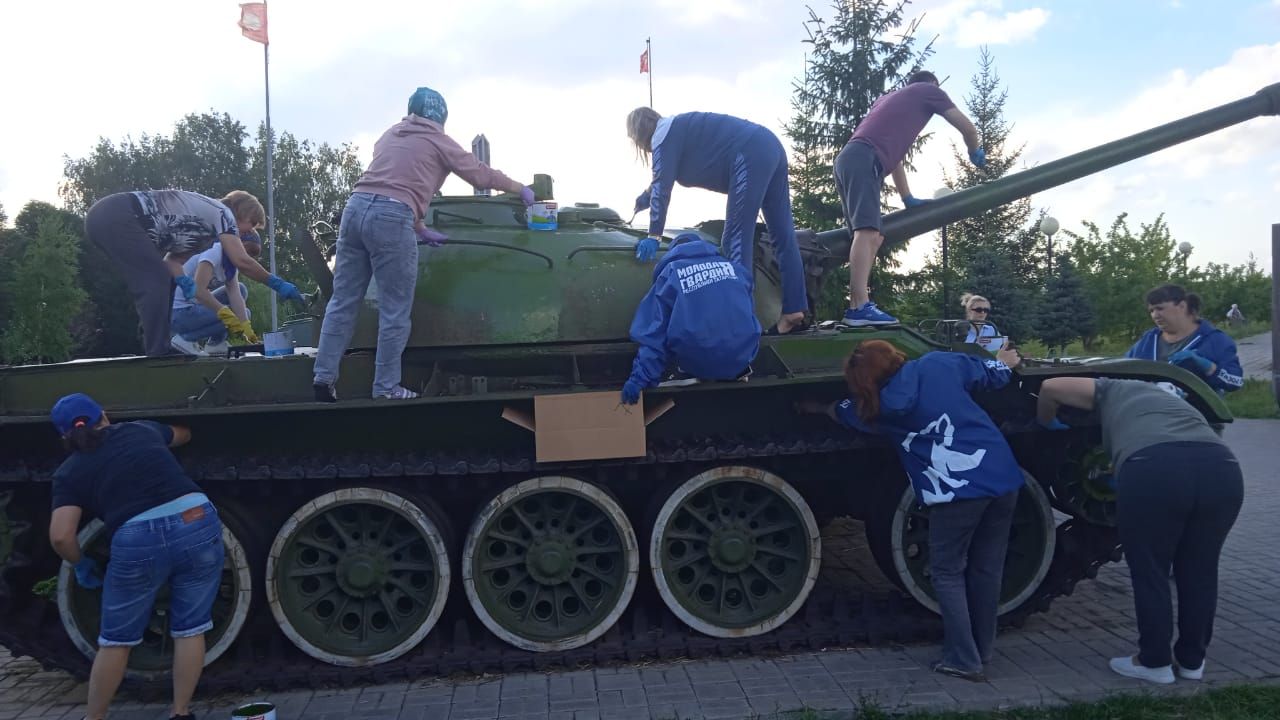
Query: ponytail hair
point(83, 437)
point(867, 370)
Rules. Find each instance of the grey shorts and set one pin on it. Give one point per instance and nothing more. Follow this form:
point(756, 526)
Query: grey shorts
point(858, 179)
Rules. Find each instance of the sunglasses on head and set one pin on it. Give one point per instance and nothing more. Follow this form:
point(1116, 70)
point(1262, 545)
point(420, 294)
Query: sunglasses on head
point(980, 310)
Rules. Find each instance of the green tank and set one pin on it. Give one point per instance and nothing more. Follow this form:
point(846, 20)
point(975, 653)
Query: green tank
point(375, 540)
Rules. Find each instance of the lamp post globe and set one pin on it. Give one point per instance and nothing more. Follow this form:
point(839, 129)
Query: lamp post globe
point(1185, 247)
point(1049, 226)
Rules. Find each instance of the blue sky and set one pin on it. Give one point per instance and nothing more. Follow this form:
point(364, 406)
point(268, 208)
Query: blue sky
point(550, 82)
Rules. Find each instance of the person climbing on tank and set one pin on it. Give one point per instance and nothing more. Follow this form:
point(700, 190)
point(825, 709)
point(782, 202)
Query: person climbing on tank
point(732, 156)
point(161, 529)
point(1182, 337)
point(879, 144)
point(203, 326)
point(378, 236)
point(699, 315)
point(1179, 490)
point(960, 466)
point(149, 234)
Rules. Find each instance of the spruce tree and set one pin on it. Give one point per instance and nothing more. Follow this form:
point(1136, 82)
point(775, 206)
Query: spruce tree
point(45, 298)
point(1066, 314)
point(1013, 307)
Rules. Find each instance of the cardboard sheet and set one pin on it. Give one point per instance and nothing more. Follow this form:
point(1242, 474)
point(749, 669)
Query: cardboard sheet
point(587, 426)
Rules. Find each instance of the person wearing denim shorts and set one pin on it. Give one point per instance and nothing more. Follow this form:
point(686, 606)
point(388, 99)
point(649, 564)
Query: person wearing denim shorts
point(163, 531)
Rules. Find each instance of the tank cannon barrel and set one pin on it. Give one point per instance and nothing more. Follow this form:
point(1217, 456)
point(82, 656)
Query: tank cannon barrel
point(905, 224)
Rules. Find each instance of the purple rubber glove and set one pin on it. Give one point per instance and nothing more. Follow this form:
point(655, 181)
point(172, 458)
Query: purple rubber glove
point(527, 196)
point(430, 237)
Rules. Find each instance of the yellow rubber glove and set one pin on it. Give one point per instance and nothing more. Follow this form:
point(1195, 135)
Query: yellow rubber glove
point(236, 326)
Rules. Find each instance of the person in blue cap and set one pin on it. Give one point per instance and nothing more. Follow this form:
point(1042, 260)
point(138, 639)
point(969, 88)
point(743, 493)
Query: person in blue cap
point(698, 314)
point(732, 156)
point(1182, 337)
point(378, 236)
point(162, 529)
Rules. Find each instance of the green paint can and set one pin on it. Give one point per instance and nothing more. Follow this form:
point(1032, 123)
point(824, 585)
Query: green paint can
point(255, 711)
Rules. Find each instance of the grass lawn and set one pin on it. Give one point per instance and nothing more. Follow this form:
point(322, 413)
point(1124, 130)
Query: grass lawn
point(1255, 400)
point(1112, 346)
point(1241, 702)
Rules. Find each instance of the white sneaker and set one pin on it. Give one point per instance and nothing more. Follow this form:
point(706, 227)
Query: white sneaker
point(1191, 673)
point(398, 392)
point(1127, 667)
point(219, 348)
point(187, 347)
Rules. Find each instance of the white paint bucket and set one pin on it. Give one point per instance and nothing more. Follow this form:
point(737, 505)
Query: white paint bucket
point(255, 711)
point(277, 343)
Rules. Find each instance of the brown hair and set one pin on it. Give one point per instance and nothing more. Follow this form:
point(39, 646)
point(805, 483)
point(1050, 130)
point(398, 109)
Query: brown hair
point(246, 207)
point(1174, 294)
point(867, 370)
point(641, 123)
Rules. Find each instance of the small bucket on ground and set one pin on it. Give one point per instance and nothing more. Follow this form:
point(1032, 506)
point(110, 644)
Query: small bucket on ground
point(255, 711)
point(542, 216)
point(277, 343)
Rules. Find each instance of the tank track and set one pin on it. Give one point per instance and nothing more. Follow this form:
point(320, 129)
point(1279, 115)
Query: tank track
point(263, 658)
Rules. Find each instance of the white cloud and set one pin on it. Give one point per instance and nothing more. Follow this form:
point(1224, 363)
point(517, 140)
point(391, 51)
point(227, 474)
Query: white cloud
point(970, 23)
point(702, 12)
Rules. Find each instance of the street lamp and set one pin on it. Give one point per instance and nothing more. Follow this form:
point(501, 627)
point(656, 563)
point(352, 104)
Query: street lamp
point(1184, 251)
point(938, 195)
point(1049, 226)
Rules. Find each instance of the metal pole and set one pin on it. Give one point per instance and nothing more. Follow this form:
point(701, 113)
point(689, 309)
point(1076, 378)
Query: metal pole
point(946, 295)
point(1275, 310)
point(1049, 236)
point(649, 54)
point(271, 195)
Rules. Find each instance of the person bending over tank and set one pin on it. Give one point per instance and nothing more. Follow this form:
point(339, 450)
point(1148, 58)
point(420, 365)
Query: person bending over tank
point(960, 466)
point(879, 144)
point(1181, 337)
point(732, 156)
point(699, 315)
point(202, 327)
point(162, 531)
point(1178, 492)
point(149, 234)
point(379, 234)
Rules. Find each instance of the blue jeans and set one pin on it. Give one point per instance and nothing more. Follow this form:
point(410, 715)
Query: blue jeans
point(376, 240)
point(967, 544)
point(184, 550)
point(197, 322)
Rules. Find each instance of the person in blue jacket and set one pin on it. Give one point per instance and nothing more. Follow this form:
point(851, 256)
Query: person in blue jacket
point(959, 465)
point(1181, 337)
point(733, 156)
point(698, 313)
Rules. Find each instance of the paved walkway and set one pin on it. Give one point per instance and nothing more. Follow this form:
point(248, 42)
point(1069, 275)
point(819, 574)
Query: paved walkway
point(1255, 356)
point(1056, 657)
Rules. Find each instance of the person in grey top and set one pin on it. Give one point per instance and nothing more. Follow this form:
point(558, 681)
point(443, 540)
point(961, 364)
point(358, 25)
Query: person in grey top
point(1178, 492)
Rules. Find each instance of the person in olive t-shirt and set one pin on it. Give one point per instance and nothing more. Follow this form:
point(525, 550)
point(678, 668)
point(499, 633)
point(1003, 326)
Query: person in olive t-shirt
point(1178, 492)
point(163, 530)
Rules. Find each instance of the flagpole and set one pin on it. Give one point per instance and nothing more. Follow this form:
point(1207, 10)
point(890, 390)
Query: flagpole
point(649, 54)
point(271, 199)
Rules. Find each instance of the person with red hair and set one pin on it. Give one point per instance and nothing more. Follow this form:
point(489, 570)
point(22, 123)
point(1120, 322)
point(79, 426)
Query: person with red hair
point(959, 465)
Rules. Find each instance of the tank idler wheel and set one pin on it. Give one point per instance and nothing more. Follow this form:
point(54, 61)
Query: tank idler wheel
point(81, 609)
point(1032, 540)
point(358, 576)
point(735, 551)
point(1084, 487)
point(550, 564)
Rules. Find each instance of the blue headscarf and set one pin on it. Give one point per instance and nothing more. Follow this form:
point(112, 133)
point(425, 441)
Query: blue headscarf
point(427, 103)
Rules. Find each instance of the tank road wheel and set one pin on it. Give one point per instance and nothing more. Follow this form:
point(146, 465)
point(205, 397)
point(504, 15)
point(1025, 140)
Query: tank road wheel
point(550, 564)
point(358, 576)
point(1083, 487)
point(1032, 540)
point(81, 609)
point(735, 551)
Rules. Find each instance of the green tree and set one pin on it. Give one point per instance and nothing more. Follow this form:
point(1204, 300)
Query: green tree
point(1013, 307)
point(865, 50)
point(1118, 267)
point(1066, 314)
point(1219, 285)
point(44, 297)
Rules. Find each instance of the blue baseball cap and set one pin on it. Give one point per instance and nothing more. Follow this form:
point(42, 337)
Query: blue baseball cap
point(685, 237)
point(73, 410)
point(427, 103)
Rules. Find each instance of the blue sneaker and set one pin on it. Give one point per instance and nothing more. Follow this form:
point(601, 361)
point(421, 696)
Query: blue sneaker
point(868, 315)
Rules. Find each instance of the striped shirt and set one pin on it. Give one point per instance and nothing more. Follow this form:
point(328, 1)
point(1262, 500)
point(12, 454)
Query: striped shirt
point(183, 222)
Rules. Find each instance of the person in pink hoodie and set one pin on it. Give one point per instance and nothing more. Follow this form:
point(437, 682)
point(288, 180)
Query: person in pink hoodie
point(379, 234)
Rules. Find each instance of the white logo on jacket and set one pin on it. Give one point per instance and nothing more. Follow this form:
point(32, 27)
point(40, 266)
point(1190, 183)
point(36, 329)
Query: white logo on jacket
point(943, 461)
point(700, 275)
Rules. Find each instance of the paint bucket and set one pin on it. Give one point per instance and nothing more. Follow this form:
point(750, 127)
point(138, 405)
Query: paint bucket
point(277, 343)
point(542, 216)
point(255, 711)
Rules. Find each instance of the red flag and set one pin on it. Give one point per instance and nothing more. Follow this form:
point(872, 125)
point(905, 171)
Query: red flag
point(253, 21)
point(644, 62)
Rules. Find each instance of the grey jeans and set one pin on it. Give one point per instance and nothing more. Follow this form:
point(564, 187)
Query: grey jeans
point(967, 544)
point(376, 240)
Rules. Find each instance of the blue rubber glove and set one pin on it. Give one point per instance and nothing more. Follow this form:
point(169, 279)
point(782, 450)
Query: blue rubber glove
point(913, 201)
point(1054, 424)
point(527, 196)
point(646, 249)
point(642, 200)
point(88, 573)
point(1192, 359)
point(631, 392)
point(187, 285)
point(284, 288)
point(978, 157)
point(431, 237)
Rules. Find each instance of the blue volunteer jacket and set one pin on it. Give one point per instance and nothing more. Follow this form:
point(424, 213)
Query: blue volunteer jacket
point(698, 151)
point(699, 313)
point(1209, 341)
point(948, 444)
